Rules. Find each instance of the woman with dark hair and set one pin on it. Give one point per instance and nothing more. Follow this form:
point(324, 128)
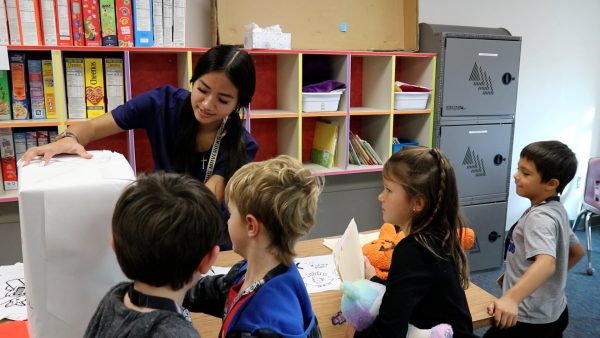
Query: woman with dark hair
point(199, 132)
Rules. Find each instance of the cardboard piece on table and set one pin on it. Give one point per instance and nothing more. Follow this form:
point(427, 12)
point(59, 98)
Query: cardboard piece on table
point(348, 256)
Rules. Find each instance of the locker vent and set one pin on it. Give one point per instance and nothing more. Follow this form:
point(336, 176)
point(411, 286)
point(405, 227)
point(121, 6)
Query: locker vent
point(481, 80)
point(474, 163)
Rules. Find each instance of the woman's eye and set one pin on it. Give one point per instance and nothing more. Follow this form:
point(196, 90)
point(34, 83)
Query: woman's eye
point(224, 102)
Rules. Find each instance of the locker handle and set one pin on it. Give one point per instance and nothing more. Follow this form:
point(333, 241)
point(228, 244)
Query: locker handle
point(493, 236)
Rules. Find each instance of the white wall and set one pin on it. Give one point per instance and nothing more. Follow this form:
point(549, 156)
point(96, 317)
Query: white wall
point(559, 85)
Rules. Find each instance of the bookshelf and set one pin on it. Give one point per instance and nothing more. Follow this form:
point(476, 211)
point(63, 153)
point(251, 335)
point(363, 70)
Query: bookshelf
point(275, 117)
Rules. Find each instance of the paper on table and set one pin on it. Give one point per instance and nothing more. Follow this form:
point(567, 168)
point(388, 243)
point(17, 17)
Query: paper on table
point(347, 255)
point(364, 239)
point(13, 304)
point(318, 273)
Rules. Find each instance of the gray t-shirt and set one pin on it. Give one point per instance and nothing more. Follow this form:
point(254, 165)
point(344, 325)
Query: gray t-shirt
point(114, 319)
point(542, 230)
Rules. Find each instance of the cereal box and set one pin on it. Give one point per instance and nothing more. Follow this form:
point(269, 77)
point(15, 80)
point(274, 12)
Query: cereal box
point(142, 14)
point(48, 22)
point(94, 87)
point(42, 137)
point(29, 19)
point(74, 69)
point(20, 105)
point(31, 139)
point(108, 23)
point(20, 144)
point(91, 22)
point(9, 165)
point(115, 94)
point(77, 23)
point(124, 23)
point(62, 9)
point(4, 96)
point(36, 89)
point(48, 80)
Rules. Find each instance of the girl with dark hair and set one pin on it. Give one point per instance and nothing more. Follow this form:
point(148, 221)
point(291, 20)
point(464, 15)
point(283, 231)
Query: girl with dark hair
point(199, 133)
point(429, 270)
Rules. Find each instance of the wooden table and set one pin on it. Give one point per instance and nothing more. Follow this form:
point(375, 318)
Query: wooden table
point(326, 304)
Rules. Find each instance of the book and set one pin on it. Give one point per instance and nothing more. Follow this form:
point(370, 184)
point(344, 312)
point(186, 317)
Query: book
point(108, 23)
point(94, 87)
point(324, 143)
point(36, 89)
point(75, 82)
point(48, 80)
point(91, 22)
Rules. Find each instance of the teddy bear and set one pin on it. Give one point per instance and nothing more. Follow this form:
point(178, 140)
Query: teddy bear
point(361, 300)
point(379, 252)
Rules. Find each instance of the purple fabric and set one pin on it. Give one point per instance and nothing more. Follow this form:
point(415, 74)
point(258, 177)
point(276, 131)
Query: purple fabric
point(158, 111)
point(323, 87)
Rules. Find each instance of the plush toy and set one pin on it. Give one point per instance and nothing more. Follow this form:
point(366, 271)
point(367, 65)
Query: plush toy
point(379, 252)
point(360, 305)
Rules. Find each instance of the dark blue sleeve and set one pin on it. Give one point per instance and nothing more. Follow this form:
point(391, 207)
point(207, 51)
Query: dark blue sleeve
point(147, 108)
point(251, 150)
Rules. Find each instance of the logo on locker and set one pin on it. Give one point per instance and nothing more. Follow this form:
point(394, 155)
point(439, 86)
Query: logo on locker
point(481, 80)
point(474, 163)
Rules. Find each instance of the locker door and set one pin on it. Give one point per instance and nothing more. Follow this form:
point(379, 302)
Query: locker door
point(479, 156)
point(488, 221)
point(480, 77)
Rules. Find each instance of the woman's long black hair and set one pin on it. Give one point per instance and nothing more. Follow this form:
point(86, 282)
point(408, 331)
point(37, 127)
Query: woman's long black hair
point(238, 66)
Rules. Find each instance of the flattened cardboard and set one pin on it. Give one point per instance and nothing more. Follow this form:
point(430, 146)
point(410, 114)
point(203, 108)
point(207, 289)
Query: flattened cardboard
point(376, 25)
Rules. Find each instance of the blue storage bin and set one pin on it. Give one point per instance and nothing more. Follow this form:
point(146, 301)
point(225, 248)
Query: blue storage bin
point(403, 143)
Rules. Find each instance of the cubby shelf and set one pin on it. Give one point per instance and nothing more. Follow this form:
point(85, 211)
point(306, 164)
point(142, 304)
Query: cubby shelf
point(275, 117)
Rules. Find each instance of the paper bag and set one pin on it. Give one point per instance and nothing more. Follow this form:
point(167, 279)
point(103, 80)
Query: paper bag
point(65, 209)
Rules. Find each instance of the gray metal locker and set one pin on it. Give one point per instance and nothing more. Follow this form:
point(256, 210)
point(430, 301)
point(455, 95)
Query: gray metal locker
point(480, 77)
point(487, 220)
point(480, 156)
point(477, 76)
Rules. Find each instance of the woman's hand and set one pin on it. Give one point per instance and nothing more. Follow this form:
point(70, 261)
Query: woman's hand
point(66, 145)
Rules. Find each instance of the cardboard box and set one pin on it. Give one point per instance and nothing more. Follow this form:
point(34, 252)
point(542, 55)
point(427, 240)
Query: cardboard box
point(329, 25)
point(268, 40)
point(74, 69)
point(9, 164)
point(94, 87)
point(65, 210)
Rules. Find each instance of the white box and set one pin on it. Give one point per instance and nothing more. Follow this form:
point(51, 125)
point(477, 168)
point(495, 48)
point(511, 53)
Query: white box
point(410, 100)
point(65, 210)
point(268, 40)
point(316, 102)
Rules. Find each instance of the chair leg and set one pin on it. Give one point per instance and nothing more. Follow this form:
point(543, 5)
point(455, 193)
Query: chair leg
point(588, 238)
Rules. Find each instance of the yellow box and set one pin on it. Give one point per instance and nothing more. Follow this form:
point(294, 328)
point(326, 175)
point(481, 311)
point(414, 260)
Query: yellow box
point(94, 87)
point(48, 79)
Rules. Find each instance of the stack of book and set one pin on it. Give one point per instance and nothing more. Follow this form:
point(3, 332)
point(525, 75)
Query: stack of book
point(361, 152)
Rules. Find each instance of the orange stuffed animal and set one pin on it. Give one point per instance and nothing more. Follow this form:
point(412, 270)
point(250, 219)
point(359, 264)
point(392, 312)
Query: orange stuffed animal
point(379, 252)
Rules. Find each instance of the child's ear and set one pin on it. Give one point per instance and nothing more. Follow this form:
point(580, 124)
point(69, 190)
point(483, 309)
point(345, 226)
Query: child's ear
point(552, 184)
point(418, 203)
point(208, 260)
point(254, 225)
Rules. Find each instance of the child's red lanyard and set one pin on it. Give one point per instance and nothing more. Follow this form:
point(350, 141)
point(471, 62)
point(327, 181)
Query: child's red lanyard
point(238, 300)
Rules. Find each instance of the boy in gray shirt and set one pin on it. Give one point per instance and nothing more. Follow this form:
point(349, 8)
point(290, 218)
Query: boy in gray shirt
point(165, 230)
point(540, 248)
